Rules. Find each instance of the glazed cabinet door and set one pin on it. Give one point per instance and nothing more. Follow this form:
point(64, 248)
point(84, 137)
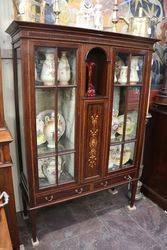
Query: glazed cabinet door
point(56, 126)
point(126, 101)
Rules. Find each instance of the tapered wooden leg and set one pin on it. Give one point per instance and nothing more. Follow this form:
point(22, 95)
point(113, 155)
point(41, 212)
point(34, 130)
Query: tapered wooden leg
point(25, 212)
point(133, 193)
point(34, 239)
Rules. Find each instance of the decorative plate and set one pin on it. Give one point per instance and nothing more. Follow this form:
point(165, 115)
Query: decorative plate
point(115, 125)
point(129, 125)
point(115, 155)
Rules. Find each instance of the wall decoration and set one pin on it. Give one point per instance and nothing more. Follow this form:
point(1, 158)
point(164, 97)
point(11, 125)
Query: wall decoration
point(33, 10)
point(98, 14)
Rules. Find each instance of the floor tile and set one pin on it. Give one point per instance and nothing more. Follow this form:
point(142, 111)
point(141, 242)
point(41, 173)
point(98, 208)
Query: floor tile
point(125, 230)
point(101, 238)
point(99, 222)
point(153, 220)
point(103, 200)
point(70, 244)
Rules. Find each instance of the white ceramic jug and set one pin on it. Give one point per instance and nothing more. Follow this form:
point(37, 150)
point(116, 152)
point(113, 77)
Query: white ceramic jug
point(134, 78)
point(123, 75)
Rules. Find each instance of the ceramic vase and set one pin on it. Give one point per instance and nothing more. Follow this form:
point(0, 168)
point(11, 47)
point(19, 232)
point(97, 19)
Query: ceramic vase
point(64, 73)
point(49, 131)
point(48, 69)
point(123, 75)
point(134, 78)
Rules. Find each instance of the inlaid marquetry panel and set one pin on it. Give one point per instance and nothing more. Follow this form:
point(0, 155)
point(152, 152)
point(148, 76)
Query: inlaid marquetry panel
point(94, 120)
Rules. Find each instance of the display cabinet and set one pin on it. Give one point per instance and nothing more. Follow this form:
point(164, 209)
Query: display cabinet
point(81, 98)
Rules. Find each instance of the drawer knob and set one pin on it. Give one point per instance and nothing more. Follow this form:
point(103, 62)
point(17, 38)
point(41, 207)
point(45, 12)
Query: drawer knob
point(79, 191)
point(104, 183)
point(50, 198)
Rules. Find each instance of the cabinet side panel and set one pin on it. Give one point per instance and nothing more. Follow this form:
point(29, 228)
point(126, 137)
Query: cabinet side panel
point(21, 112)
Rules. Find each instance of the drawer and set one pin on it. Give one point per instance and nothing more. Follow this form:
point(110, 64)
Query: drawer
point(114, 180)
point(62, 195)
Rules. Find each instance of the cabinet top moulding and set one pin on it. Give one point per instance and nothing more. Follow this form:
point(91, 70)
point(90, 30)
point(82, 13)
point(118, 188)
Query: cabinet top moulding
point(30, 30)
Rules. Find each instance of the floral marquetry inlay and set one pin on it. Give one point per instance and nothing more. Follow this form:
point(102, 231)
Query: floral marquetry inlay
point(93, 140)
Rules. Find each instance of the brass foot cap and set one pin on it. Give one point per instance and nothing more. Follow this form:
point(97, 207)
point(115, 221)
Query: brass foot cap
point(131, 208)
point(35, 243)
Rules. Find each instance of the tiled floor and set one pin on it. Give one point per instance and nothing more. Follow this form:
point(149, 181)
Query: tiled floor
point(100, 221)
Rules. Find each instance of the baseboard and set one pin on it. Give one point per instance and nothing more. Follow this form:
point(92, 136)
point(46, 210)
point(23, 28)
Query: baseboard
point(154, 196)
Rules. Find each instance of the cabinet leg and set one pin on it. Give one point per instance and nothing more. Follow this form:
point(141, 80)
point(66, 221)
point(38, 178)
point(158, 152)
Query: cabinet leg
point(25, 212)
point(34, 239)
point(131, 206)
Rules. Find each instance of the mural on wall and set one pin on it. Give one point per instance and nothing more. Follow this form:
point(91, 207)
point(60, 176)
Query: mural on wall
point(119, 16)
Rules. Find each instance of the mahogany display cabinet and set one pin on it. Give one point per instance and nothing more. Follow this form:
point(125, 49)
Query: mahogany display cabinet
point(81, 99)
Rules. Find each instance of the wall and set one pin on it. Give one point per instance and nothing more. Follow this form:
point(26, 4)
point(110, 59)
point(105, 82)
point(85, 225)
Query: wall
point(127, 8)
point(6, 17)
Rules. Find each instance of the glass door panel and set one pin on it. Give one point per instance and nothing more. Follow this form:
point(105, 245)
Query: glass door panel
point(121, 68)
point(136, 69)
point(121, 156)
point(47, 172)
point(132, 112)
point(45, 66)
point(65, 168)
point(114, 157)
point(128, 80)
point(66, 119)
point(128, 155)
point(55, 94)
point(45, 121)
point(66, 69)
point(118, 115)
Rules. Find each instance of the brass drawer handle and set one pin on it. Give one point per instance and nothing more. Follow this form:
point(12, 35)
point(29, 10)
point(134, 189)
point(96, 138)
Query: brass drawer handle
point(104, 183)
point(49, 198)
point(79, 191)
point(128, 178)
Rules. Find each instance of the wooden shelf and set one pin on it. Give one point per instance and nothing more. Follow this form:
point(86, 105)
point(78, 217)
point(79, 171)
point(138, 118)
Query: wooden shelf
point(97, 97)
point(128, 85)
point(122, 142)
point(56, 86)
point(54, 154)
point(120, 168)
